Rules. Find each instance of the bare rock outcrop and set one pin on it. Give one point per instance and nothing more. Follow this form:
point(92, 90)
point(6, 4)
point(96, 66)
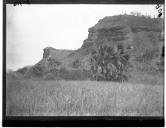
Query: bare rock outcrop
point(137, 32)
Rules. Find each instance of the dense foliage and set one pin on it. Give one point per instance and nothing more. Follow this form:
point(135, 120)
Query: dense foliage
point(109, 63)
point(66, 74)
point(161, 60)
point(38, 71)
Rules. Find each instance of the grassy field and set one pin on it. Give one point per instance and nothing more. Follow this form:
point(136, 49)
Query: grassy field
point(27, 97)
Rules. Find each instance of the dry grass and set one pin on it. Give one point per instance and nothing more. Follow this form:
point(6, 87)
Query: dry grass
point(26, 97)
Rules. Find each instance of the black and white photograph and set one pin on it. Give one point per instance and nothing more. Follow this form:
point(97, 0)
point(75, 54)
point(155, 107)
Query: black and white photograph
point(84, 60)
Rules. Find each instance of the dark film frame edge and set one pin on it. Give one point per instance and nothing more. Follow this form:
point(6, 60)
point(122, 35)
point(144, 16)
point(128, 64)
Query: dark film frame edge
point(71, 121)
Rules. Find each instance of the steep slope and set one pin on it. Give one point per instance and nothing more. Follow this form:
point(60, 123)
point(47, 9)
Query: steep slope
point(56, 54)
point(139, 32)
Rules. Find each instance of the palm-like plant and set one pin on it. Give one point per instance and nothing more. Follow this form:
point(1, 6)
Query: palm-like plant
point(108, 63)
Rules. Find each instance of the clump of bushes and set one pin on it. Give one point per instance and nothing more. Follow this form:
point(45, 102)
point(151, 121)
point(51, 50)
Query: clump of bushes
point(22, 70)
point(148, 55)
point(38, 71)
point(151, 61)
point(76, 64)
point(160, 63)
point(109, 63)
point(66, 74)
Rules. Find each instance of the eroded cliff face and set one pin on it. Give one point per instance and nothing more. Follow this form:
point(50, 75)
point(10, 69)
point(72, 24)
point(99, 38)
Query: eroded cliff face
point(53, 58)
point(92, 37)
point(139, 33)
point(47, 52)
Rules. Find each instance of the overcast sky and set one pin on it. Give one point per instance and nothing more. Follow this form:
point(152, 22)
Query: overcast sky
point(31, 28)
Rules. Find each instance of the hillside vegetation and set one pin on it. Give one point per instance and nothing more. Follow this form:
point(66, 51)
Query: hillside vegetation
point(141, 33)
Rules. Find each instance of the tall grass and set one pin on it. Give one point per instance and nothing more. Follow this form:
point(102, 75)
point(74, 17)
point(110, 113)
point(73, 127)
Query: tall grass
point(27, 97)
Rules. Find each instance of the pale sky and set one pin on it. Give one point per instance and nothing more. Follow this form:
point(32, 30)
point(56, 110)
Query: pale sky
point(31, 28)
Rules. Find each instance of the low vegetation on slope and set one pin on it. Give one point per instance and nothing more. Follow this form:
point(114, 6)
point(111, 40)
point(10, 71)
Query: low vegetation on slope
point(141, 33)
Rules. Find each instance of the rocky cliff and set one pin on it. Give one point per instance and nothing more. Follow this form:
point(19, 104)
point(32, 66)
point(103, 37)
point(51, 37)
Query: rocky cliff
point(140, 33)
